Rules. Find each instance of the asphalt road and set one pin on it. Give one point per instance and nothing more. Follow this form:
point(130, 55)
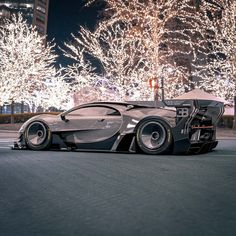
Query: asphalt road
point(83, 193)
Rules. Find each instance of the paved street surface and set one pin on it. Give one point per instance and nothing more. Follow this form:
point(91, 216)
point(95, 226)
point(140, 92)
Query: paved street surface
point(6, 139)
point(83, 193)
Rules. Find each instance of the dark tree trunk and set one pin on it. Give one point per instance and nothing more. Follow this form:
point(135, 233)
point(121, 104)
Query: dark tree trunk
point(156, 95)
point(22, 107)
point(234, 124)
point(12, 112)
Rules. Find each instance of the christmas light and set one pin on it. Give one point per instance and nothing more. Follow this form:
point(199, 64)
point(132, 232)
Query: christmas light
point(25, 64)
point(182, 43)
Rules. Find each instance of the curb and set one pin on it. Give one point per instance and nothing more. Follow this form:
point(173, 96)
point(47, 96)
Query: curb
point(226, 138)
point(8, 131)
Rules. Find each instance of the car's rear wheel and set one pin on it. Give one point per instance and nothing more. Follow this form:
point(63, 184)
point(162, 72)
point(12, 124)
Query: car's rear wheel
point(37, 136)
point(154, 136)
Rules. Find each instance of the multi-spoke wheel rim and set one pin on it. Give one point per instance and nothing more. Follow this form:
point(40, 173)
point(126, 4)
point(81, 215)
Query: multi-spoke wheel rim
point(153, 135)
point(36, 133)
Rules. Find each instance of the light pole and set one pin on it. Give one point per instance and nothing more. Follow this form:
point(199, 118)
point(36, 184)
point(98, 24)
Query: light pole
point(153, 84)
point(168, 70)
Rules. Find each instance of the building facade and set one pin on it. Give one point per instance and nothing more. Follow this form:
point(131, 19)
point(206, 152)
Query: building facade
point(40, 16)
point(34, 11)
point(9, 7)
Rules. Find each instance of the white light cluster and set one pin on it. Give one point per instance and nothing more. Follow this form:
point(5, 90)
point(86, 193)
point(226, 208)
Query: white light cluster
point(25, 64)
point(126, 46)
point(220, 76)
point(138, 40)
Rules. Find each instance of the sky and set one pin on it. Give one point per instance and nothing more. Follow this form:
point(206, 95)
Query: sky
point(65, 17)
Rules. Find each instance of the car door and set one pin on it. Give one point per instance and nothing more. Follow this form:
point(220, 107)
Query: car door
point(92, 124)
point(108, 124)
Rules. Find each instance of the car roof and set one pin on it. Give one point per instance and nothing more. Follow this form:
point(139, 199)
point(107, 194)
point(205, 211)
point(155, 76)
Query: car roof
point(117, 105)
point(140, 104)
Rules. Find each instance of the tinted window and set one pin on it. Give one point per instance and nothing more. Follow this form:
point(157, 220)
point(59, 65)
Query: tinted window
point(94, 111)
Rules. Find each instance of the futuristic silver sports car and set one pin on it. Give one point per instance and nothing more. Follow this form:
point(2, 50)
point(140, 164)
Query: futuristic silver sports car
point(172, 126)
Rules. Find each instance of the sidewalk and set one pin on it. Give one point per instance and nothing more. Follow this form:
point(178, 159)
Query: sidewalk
point(224, 133)
point(10, 127)
point(221, 133)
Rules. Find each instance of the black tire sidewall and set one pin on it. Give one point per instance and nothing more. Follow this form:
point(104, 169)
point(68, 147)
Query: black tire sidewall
point(46, 142)
point(165, 147)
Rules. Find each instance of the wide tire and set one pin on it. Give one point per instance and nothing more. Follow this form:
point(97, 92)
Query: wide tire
point(37, 136)
point(154, 136)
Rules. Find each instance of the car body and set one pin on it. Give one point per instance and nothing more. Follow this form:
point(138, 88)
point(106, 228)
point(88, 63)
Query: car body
point(171, 126)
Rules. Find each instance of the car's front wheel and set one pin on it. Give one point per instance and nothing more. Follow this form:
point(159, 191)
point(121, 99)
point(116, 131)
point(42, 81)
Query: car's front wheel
point(154, 136)
point(37, 136)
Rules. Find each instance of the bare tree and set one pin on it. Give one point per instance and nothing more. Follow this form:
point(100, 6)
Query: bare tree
point(220, 76)
point(25, 62)
point(128, 46)
point(177, 43)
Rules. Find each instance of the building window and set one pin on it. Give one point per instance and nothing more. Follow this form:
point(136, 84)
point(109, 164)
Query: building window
point(43, 2)
point(41, 9)
point(40, 18)
point(40, 29)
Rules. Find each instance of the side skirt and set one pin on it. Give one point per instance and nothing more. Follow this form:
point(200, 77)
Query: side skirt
point(59, 142)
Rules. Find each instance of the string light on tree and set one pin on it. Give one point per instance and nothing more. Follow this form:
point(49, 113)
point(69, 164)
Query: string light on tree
point(25, 63)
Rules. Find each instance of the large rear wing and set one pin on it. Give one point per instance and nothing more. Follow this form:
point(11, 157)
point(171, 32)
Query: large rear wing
point(191, 108)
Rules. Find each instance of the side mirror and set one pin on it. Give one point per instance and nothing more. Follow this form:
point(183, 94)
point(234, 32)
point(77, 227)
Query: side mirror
point(63, 117)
